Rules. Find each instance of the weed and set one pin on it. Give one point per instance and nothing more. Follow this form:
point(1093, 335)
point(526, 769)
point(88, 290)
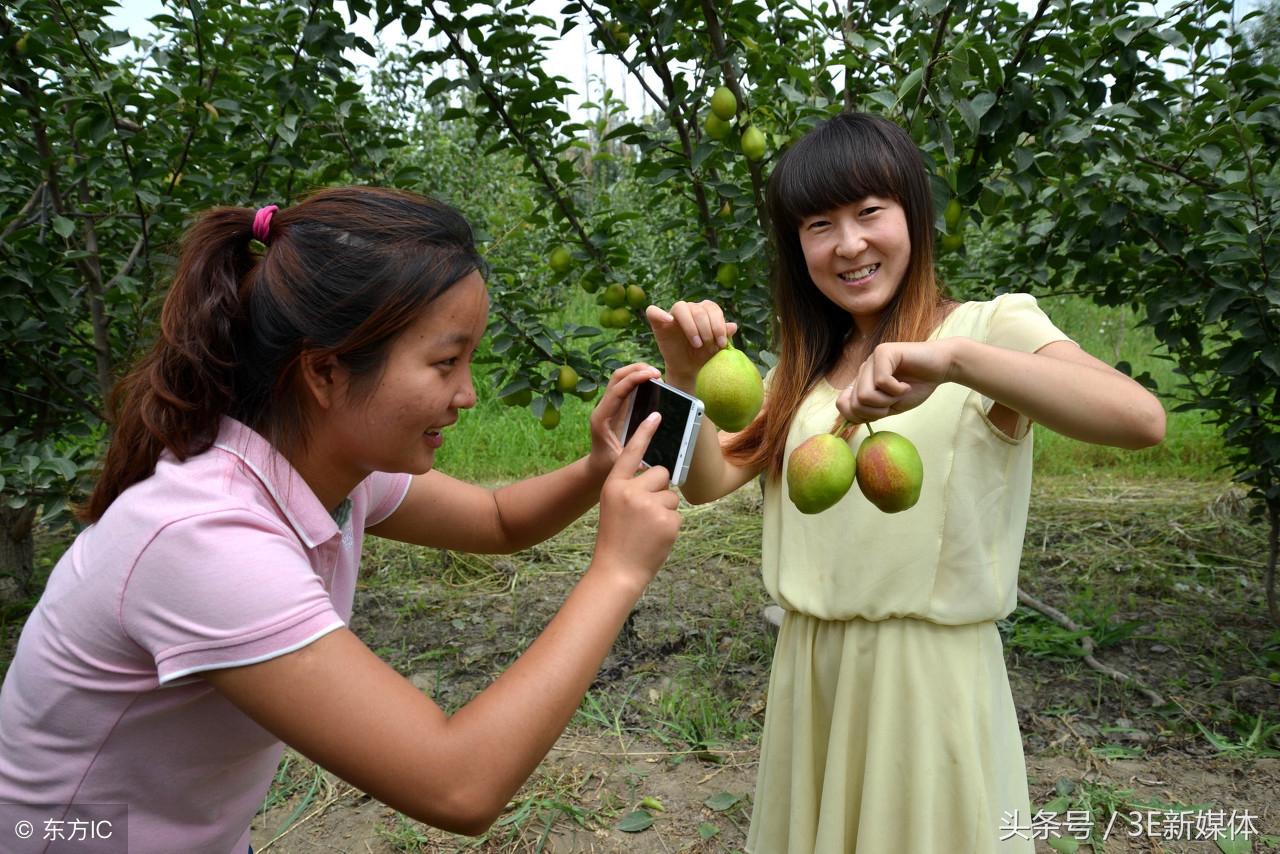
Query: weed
point(297, 782)
point(1089, 811)
point(1035, 634)
point(1255, 738)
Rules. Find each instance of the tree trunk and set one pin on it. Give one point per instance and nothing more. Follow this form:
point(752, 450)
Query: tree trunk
point(17, 553)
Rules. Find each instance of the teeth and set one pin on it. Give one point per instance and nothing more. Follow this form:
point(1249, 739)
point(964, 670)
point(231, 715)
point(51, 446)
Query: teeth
point(861, 273)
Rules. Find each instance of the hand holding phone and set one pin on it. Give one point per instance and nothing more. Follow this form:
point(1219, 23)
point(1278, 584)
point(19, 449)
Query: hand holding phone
point(672, 445)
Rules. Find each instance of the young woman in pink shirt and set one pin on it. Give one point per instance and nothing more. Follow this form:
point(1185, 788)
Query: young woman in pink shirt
point(294, 401)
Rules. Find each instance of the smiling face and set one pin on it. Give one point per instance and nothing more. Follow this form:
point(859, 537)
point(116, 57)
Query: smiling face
point(858, 255)
point(398, 426)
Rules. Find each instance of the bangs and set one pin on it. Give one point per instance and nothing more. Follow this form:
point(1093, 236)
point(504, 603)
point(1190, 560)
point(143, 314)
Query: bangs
point(817, 174)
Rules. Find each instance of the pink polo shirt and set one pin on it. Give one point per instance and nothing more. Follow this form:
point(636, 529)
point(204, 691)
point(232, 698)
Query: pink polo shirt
point(225, 559)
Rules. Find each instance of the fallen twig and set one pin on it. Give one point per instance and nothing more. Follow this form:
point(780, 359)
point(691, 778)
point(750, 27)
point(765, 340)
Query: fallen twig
point(1089, 646)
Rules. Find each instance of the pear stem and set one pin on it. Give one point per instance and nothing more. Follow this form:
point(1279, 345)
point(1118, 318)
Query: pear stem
point(871, 431)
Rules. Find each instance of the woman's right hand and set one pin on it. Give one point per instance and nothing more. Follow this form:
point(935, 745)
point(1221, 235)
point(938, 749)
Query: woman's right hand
point(639, 518)
point(687, 336)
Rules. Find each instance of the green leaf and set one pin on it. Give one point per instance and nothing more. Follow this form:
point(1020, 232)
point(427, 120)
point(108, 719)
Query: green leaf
point(910, 85)
point(706, 830)
point(63, 226)
point(1261, 104)
point(636, 822)
point(1065, 844)
point(1218, 89)
point(722, 801)
point(1232, 844)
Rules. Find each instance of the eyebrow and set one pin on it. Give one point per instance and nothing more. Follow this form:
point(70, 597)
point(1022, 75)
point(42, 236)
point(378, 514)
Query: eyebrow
point(454, 339)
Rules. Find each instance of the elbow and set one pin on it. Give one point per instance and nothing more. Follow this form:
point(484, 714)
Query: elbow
point(695, 498)
point(465, 811)
point(472, 826)
point(1149, 429)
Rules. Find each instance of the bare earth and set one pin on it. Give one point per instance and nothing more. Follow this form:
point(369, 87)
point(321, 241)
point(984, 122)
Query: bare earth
point(1205, 646)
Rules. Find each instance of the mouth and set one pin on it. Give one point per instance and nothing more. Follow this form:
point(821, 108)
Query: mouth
point(859, 274)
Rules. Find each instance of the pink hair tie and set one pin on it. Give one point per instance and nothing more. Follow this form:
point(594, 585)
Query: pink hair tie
point(262, 222)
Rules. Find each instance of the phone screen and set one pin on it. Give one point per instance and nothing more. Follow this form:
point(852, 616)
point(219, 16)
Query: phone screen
point(664, 447)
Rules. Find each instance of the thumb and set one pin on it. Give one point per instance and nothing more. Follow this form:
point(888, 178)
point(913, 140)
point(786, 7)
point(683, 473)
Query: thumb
point(628, 462)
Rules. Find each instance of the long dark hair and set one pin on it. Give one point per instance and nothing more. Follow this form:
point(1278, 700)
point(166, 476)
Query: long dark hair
point(343, 273)
point(839, 162)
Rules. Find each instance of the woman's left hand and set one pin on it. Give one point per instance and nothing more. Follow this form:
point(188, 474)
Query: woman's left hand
point(897, 376)
point(607, 417)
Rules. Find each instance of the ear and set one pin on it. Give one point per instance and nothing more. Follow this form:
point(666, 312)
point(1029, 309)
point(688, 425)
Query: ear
point(323, 377)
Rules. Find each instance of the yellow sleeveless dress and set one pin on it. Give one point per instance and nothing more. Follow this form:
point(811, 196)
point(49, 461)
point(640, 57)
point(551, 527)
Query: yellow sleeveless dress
point(890, 725)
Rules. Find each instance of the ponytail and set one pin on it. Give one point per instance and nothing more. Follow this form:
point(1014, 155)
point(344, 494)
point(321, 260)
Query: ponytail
point(174, 398)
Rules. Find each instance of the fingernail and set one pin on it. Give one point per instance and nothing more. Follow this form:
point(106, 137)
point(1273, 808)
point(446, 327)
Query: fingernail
point(722, 342)
point(697, 341)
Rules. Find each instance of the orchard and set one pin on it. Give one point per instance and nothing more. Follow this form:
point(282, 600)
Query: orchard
point(1089, 148)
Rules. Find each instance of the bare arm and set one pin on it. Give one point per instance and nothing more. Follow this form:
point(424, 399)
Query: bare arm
point(340, 705)
point(442, 512)
point(688, 336)
point(1060, 386)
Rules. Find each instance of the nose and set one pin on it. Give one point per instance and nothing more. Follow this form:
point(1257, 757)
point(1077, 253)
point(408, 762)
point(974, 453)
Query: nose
point(465, 398)
point(850, 240)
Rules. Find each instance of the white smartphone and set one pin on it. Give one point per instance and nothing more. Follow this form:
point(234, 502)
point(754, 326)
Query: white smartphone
point(672, 445)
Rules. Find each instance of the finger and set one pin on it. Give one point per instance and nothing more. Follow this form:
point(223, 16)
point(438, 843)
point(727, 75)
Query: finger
point(720, 330)
point(883, 369)
point(610, 411)
point(658, 316)
point(692, 322)
point(657, 479)
point(628, 377)
point(628, 462)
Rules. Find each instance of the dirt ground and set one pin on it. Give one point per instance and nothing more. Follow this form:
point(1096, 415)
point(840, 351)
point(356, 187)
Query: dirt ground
point(1167, 558)
point(605, 773)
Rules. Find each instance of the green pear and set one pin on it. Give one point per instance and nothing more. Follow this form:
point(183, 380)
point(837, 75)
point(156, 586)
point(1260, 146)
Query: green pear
point(566, 379)
point(724, 104)
point(819, 472)
point(731, 389)
point(889, 471)
point(560, 260)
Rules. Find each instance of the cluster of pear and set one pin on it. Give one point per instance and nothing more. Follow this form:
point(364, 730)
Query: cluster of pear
point(823, 468)
point(618, 304)
point(724, 108)
point(566, 381)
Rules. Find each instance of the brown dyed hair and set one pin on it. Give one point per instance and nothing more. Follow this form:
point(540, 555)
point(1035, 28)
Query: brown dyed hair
point(344, 272)
point(839, 162)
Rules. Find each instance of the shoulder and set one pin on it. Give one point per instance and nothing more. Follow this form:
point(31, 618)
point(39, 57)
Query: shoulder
point(1015, 321)
point(378, 496)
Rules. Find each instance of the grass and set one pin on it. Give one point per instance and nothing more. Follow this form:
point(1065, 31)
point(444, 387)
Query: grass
point(1192, 448)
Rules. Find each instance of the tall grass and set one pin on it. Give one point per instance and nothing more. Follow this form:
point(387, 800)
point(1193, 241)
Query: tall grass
point(494, 443)
point(1192, 448)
